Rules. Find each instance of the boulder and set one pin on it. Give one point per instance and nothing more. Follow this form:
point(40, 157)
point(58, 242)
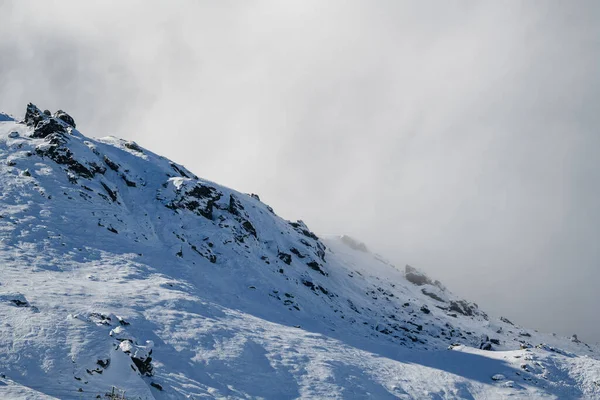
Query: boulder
point(66, 118)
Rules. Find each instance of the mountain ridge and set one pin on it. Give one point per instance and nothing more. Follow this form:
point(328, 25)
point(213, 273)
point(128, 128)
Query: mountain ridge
point(125, 269)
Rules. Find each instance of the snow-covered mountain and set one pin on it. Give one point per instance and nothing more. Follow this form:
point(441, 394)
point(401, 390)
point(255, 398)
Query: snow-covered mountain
point(120, 268)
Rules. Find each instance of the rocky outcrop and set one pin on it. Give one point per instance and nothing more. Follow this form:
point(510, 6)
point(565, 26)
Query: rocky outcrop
point(199, 199)
point(66, 118)
point(33, 115)
point(354, 244)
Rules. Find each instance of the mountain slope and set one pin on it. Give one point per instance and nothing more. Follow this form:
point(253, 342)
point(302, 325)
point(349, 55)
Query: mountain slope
point(122, 268)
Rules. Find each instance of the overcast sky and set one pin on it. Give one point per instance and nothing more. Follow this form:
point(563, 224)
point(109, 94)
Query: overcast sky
point(461, 137)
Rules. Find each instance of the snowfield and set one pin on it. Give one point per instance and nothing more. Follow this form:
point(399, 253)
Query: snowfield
point(120, 268)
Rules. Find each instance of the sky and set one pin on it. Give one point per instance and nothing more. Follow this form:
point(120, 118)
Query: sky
point(460, 137)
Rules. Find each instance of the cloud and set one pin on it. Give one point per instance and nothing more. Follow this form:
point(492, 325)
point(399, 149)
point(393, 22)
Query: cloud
point(457, 136)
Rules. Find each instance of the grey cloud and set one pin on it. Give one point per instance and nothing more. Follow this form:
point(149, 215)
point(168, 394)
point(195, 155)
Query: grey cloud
point(459, 136)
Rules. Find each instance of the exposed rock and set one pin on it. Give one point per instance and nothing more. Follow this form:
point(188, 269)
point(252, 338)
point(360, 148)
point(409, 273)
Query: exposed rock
point(249, 228)
point(47, 127)
point(297, 252)
point(133, 146)
point(63, 116)
point(180, 171)
point(285, 257)
point(235, 206)
point(33, 115)
point(415, 276)
point(127, 181)
point(111, 164)
point(301, 227)
point(111, 193)
point(16, 299)
point(486, 346)
point(316, 267)
point(432, 295)
point(57, 150)
point(144, 365)
point(354, 244)
point(196, 197)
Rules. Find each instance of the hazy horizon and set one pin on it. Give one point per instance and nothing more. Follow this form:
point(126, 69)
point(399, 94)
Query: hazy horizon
point(458, 137)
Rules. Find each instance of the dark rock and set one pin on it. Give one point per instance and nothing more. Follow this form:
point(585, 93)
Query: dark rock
point(495, 341)
point(111, 164)
point(203, 199)
point(316, 267)
point(301, 227)
point(486, 346)
point(58, 151)
point(254, 196)
point(156, 385)
point(33, 115)
point(297, 252)
point(63, 116)
point(127, 181)
point(47, 127)
point(20, 303)
point(103, 363)
point(425, 309)
point(419, 278)
point(133, 146)
point(506, 321)
point(180, 171)
point(352, 306)
point(249, 228)
point(432, 295)
point(111, 193)
point(308, 284)
point(235, 206)
point(463, 307)
point(144, 365)
point(285, 257)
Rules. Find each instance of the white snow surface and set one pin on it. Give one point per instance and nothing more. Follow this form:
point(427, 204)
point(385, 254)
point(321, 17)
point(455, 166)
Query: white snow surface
point(138, 258)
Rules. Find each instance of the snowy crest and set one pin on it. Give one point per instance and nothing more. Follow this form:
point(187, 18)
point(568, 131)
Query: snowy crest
point(121, 268)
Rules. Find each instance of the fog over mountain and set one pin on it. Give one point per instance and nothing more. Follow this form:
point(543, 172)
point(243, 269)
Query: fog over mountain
point(460, 137)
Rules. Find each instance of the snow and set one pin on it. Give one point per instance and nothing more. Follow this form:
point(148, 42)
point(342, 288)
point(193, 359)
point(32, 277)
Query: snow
point(221, 298)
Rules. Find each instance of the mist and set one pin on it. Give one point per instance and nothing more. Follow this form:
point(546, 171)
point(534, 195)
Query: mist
point(459, 137)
